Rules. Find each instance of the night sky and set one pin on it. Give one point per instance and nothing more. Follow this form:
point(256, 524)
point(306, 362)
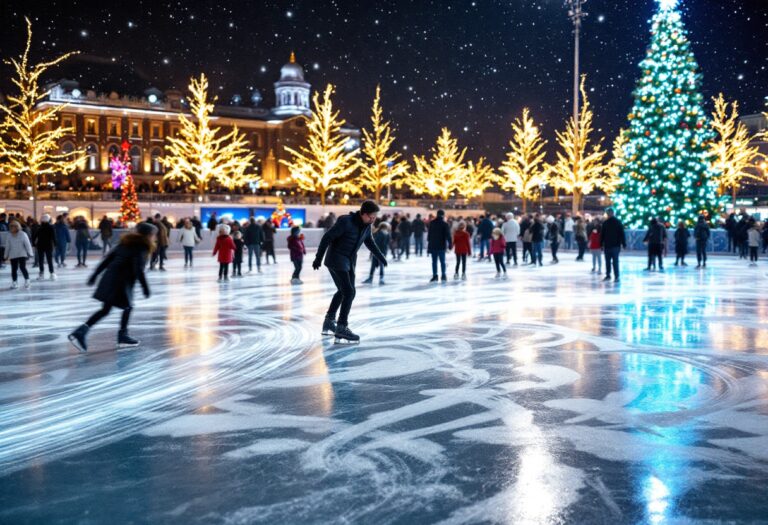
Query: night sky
point(469, 65)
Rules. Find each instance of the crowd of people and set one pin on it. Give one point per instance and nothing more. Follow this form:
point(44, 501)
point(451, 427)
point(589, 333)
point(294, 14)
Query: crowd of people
point(505, 240)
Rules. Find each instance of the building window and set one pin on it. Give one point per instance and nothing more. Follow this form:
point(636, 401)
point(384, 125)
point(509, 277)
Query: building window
point(114, 151)
point(67, 122)
point(174, 131)
point(155, 131)
point(157, 166)
point(91, 157)
point(135, 154)
point(67, 148)
point(114, 128)
point(135, 129)
point(90, 127)
point(256, 140)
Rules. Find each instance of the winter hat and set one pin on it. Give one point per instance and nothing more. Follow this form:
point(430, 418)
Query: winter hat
point(45, 218)
point(369, 207)
point(146, 229)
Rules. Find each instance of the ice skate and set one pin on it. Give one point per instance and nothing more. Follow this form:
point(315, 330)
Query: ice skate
point(77, 338)
point(14, 285)
point(53, 277)
point(41, 277)
point(126, 341)
point(329, 327)
point(344, 335)
point(381, 282)
point(433, 279)
point(369, 280)
point(27, 284)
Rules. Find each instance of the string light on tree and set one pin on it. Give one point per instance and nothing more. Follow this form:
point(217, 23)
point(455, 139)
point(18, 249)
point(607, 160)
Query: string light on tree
point(441, 175)
point(668, 171)
point(202, 153)
point(28, 148)
point(123, 179)
point(326, 163)
point(523, 170)
point(477, 178)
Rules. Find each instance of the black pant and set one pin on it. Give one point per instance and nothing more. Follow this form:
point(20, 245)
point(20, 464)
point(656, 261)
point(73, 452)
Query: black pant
point(655, 252)
point(345, 294)
point(498, 258)
point(158, 255)
point(82, 250)
point(753, 253)
point(297, 263)
point(554, 245)
point(42, 255)
point(612, 259)
point(269, 249)
point(223, 270)
point(461, 261)
point(19, 263)
point(582, 243)
point(680, 255)
point(237, 267)
point(188, 255)
point(105, 309)
point(512, 250)
point(376, 264)
point(418, 245)
point(701, 252)
point(527, 251)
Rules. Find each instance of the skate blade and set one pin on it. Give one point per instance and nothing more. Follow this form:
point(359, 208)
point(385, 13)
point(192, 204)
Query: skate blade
point(345, 341)
point(128, 345)
point(327, 333)
point(74, 342)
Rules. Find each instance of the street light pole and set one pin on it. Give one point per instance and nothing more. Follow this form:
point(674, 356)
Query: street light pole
point(576, 13)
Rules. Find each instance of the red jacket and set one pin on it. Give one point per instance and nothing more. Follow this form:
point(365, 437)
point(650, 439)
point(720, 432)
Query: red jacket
point(225, 247)
point(461, 243)
point(296, 247)
point(594, 241)
point(498, 245)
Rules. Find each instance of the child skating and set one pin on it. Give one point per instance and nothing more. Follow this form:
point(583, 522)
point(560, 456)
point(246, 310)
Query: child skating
point(18, 249)
point(462, 248)
point(497, 250)
point(297, 251)
point(596, 249)
point(237, 259)
point(225, 248)
point(121, 268)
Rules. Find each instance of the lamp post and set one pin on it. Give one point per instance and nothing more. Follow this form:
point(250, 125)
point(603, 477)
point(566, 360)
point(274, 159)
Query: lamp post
point(576, 13)
point(389, 181)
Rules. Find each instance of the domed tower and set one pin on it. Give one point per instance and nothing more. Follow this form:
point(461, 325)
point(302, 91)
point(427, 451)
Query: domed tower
point(291, 91)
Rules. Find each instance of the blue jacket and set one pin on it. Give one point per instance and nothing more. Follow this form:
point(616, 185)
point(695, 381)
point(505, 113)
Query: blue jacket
point(62, 234)
point(343, 241)
point(485, 228)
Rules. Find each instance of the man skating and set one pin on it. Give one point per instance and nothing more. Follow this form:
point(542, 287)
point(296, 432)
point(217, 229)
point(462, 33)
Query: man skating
point(342, 242)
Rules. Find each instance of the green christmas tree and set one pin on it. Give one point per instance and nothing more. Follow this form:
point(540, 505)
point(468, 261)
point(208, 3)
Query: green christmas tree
point(668, 172)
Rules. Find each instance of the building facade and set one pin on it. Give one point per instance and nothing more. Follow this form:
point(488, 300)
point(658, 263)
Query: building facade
point(102, 123)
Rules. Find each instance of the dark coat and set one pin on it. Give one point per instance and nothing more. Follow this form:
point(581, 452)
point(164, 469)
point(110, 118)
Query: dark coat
point(269, 231)
point(612, 234)
point(381, 238)
point(45, 237)
point(239, 245)
point(681, 240)
point(253, 234)
point(62, 234)
point(418, 227)
point(439, 236)
point(701, 231)
point(537, 231)
point(122, 267)
point(485, 228)
point(656, 234)
point(343, 241)
point(404, 228)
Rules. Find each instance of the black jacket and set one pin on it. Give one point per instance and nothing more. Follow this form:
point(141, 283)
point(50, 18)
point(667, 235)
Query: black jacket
point(612, 234)
point(381, 238)
point(701, 231)
point(681, 238)
point(253, 234)
point(45, 237)
point(439, 236)
point(404, 228)
point(418, 227)
point(656, 234)
point(343, 241)
point(537, 231)
point(122, 267)
point(269, 231)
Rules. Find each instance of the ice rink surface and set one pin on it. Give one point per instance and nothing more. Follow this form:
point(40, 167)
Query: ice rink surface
point(548, 398)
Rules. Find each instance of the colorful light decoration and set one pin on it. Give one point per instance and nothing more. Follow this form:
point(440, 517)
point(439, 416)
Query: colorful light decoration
point(667, 171)
point(120, 171)
point(281, 214)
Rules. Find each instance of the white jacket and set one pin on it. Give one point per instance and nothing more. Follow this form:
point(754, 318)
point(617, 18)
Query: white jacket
point(510, 230)
point(17, 246)
point(189, 237)
point(753, 235)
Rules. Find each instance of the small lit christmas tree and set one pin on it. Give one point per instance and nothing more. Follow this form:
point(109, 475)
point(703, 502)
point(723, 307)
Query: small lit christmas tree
point(122, 178)
point(668, 170)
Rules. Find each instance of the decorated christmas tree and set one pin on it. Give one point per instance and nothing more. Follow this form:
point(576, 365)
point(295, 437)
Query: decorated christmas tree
point(668, 171)
point(122, 178)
